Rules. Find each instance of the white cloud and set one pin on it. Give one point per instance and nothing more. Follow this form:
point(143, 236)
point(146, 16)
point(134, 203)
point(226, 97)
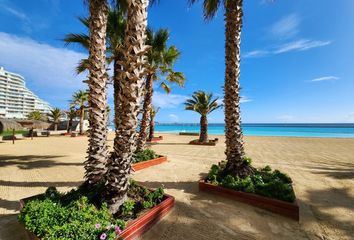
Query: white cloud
point(244, 99)
point(286, 27)
point(173, 117)
point(164, 100)
point(300, 45)
point(350, 117)
point(256, 53)
point(48, 69)
point(327, 78)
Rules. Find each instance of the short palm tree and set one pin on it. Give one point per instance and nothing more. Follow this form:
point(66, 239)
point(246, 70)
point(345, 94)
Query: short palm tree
point(35, 115)
point(153, 114)
point(235, 153)
point(54, 116)
point(71, 114)
point(80, 99)
point(202, 103)
point(161, 60)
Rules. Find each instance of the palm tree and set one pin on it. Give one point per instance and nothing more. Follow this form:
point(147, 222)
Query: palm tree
point(160, 64)
point(35, 115)
point(71, 114)
point(153, 113)
point(95, 164)
point(80, 99)
point(128, 92)
point(55, 115)
point(202, 103)
point(236, 166)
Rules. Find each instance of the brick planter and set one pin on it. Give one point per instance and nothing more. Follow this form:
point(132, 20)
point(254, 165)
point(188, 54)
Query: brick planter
point(287, 209)
point(145, 164)
point(136, 228)
point(209, 143)
point(156, 139)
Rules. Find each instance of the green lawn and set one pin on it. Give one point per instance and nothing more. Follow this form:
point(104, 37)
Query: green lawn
point(9, 133)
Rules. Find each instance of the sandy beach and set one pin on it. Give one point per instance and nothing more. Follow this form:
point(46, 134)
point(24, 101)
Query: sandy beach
point(322, 171)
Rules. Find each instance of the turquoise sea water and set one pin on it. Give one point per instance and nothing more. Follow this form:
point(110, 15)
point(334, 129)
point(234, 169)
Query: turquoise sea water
point(288, 130)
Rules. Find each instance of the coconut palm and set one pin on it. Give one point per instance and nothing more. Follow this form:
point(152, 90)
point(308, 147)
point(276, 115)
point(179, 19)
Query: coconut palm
point(80, 100)
point(35, 115)
point(202, 103)
point(161, 59)
point(236, 166)
point(132, 73)
point(54, 116)
point(153, 113)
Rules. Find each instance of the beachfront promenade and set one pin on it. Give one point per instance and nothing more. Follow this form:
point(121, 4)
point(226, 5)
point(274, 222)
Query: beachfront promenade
point(322, 171)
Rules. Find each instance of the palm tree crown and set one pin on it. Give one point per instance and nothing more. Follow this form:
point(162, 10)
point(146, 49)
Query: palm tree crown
point(202, 103)
point(55, 115)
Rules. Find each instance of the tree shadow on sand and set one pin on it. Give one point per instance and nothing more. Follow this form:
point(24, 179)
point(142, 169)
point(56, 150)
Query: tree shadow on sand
point(335, 172)
point(34, 161)
point(320, 202)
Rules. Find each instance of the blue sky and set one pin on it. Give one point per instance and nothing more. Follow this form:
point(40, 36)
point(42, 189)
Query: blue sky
point(297, 56)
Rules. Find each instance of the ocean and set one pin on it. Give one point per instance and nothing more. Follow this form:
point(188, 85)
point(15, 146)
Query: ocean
point(342, 130)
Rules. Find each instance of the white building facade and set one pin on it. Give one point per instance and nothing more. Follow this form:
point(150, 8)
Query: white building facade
point(16, 100)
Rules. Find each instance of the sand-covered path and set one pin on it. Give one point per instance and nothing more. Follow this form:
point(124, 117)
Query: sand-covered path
point(322, 169)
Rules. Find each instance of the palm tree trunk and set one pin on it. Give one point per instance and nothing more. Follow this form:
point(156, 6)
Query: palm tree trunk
point(133, 62)
point(97, 149)
point(234, 137)
point(146, 114)
point(203, 137)
point(82, 114)
point(152, 127)
point(55, 126)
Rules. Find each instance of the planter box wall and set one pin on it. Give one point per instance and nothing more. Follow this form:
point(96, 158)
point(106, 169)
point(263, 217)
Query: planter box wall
point(156, 139)
point(287, 209)
point(209, 143)
point(135, 228)
point(145, 164)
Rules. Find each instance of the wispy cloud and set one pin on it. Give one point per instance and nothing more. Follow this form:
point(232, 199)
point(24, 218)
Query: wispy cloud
point(164, 100)
point(256, 53)
point(173, 117)
point(46, 68)
point(4, 5)
point(327, 78)
point(300, 45)
point(286, 27)
point(244, 99)
point(293, 46)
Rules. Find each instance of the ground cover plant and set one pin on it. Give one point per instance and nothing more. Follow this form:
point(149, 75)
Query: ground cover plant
point(264, 182)
point(144, 155)
point(10, 132)
point(80, 213)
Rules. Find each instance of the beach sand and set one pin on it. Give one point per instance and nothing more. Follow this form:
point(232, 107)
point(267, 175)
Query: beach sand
point(322, 171)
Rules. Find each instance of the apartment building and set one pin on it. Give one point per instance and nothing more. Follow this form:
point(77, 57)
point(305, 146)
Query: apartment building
point(16, 100)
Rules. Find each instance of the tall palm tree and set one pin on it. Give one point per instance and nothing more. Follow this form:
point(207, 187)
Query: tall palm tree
point(153, 113)
point(202, 103)
point(55, 115)
point(235, 153)
point(161, 59)
point(132, 73)
point(95, 164)
point(35, 115)
point(80, 100)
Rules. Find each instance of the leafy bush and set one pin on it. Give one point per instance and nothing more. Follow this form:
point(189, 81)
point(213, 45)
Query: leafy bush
point(144, 155)
point(76, 215)
point(264, 182)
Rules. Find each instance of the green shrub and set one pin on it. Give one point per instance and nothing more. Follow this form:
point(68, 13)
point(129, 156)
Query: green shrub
point(264, 182)
point(144, 155)
point(76, 215)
